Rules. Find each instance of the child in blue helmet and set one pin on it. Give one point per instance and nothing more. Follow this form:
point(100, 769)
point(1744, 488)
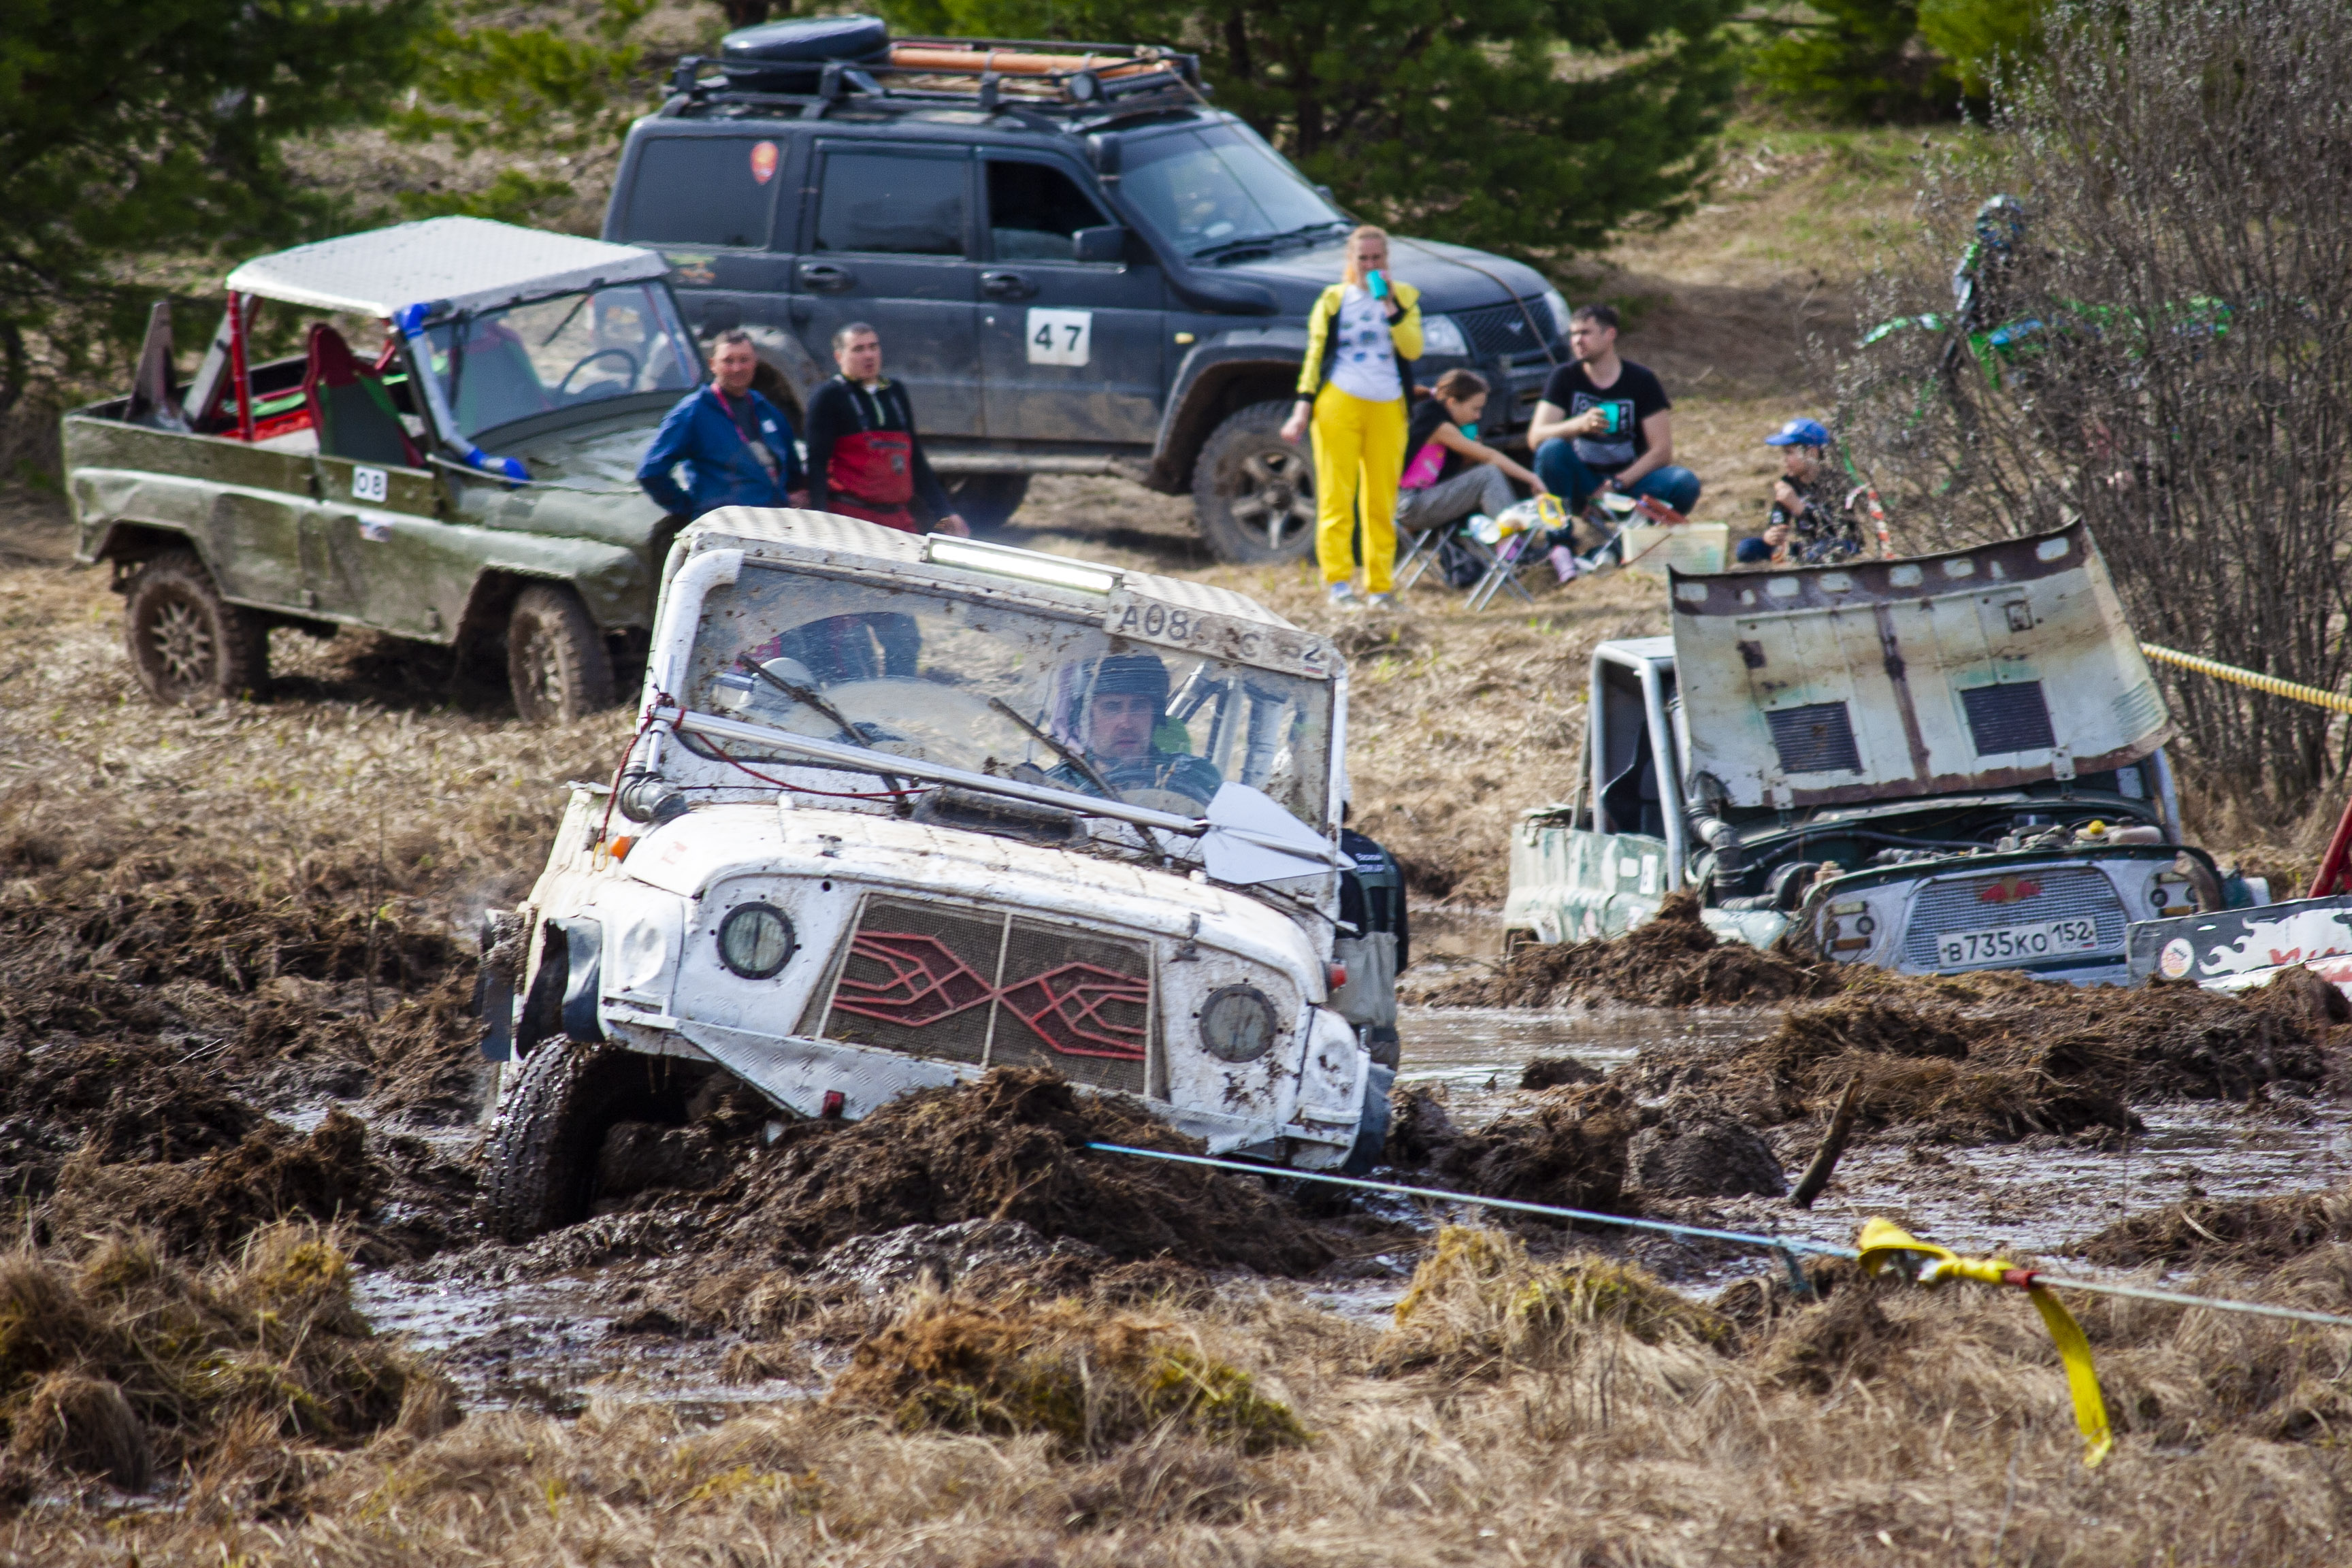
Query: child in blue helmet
point(1811, 521)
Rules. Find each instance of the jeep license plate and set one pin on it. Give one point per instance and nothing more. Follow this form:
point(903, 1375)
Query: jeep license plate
point(2044, 938)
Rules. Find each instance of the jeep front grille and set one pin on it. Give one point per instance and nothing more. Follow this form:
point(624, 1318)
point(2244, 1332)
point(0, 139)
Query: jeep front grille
point(1503, 331)
point(2015, 898)
point(991, 988)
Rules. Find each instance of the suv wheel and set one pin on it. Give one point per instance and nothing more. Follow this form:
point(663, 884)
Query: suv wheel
point(1253, 491)
point(557, 664)
point(187, 642)
point(986, 500)
point(541, 1160)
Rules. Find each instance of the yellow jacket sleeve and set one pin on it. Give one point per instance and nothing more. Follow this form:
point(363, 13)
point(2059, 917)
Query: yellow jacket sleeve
point(1318, 329)
point(1405, 330)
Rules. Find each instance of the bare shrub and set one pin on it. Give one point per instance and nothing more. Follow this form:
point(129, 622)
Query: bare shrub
point(2177, 306)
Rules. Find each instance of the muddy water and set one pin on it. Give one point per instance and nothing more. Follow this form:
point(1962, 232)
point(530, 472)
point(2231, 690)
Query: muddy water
point(549, 1345)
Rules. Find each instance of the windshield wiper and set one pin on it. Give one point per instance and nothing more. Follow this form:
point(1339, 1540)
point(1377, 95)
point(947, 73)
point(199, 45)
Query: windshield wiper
point(819, 704)
point(1079, 763)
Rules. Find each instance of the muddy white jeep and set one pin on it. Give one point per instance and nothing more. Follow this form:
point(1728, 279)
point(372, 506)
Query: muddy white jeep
point(901, 809)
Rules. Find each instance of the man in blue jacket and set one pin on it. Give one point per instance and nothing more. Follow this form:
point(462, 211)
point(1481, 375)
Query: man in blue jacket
point(738, 448)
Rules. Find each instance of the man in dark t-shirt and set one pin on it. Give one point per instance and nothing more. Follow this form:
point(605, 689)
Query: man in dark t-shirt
point(1605, 422)
point(865, 460)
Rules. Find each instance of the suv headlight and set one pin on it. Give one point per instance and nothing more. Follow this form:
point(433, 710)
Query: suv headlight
point(1557, 304)
point(755, 941)
point(1237, 1023)
point(1443, 335)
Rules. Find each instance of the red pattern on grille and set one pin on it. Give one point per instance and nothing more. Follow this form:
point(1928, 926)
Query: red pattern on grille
point(927, 981)
point(1067, 1006)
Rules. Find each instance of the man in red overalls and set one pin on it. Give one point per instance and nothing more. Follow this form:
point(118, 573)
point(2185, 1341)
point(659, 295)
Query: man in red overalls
point(864, 457)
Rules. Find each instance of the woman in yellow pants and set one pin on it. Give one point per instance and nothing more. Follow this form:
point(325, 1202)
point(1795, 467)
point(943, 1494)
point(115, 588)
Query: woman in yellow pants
point(1362, 337)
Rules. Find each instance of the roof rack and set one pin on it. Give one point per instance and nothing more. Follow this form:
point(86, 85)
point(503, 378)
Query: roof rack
point(1012, 75)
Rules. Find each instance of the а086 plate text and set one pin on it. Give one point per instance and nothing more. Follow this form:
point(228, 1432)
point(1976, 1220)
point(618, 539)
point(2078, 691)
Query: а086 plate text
point(2045, 938)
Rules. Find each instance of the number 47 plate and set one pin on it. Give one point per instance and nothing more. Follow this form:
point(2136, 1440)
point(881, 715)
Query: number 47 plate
point(1061, 337)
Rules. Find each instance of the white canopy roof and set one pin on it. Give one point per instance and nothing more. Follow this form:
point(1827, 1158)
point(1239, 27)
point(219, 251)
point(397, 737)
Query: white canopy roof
point(469, 262)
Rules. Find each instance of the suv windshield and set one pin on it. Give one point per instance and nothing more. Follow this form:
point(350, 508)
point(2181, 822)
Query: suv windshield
point(498, 366)
point(1018, 693)
point(1219, 186)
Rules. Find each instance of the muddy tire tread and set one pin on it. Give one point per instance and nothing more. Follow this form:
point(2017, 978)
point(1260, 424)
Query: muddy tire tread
point(1228, 537)
point(548, 619)
point(239, 639)
point(542, 1149)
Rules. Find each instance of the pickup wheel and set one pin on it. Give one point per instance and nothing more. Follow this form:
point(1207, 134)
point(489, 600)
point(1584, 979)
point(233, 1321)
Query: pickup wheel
point(986, 500)
point(541, 1160)
point(187, 644)
point(557, 664)
point(1253, 491)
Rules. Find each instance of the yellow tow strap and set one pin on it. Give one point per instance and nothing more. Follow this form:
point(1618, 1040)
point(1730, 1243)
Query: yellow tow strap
point(1884, 1243)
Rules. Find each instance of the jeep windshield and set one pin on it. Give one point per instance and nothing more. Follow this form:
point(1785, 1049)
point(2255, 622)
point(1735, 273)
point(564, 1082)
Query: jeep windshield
point(1015, 692)
point(1216, 187)
point(521, 361)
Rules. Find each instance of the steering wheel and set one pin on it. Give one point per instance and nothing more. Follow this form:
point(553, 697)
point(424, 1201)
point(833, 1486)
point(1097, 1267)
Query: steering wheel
point(562, 388)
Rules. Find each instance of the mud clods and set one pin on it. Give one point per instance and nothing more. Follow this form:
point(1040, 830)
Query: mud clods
point(2252, 1233)
point(1698, 1153)
point(1012, 1146)
point(2001, 1056)
point(210, 1203)
point(1673, 960)
point(1568, 1148)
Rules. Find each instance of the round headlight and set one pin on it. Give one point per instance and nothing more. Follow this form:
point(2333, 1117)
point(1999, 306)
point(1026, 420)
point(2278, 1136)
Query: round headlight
point(1237, 1023)
point(755, 941)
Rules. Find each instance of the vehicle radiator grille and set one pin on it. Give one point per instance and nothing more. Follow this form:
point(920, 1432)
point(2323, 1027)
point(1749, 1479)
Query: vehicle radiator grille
point(1503, 331)
point(2017, 898)
point(991, 988)
point(2014, 717)
point(1815, 739)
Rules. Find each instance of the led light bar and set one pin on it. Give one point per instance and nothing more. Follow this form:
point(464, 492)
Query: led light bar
point(1030, 565)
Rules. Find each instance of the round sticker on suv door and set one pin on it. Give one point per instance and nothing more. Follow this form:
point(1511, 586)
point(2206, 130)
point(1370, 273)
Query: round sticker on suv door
point(2176, 959)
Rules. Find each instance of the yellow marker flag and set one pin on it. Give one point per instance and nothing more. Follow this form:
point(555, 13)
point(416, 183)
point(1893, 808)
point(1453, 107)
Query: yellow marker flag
point(1884, 1243)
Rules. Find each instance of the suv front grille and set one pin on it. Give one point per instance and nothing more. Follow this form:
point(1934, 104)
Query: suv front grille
point(2017, 898)
point(1503, 331)
point(991, 988)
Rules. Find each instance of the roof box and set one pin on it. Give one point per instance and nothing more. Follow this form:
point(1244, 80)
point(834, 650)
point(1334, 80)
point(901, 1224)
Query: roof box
point(791, 56)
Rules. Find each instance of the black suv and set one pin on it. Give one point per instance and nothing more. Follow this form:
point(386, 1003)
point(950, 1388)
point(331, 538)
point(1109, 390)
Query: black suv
point(1077, 265)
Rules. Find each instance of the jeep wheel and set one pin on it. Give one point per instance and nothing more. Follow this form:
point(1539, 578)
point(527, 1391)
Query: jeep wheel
point(1253, 491)
point(985, 501)
point(557, 664)
point(541, 1160)
point(188, 644)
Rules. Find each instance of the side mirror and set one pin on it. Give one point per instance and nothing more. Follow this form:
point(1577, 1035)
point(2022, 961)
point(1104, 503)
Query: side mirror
point(1107, 243)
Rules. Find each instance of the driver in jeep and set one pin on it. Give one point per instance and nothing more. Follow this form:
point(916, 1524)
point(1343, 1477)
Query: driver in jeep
point(1119, 735)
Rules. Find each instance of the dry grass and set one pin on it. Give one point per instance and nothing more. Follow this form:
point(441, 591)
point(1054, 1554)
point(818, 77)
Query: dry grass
point(1884, 1426)
point(119, 1360)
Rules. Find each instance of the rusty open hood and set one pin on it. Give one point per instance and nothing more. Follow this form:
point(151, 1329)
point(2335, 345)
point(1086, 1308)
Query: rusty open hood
point(1988, 668)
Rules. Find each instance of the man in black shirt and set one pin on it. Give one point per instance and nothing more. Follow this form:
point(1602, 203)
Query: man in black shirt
point(863, 456)
point(1605, 423)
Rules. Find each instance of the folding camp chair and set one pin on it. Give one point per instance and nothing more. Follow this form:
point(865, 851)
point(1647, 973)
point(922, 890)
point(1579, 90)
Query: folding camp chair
point(1525, 531)
point(1504, 560)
